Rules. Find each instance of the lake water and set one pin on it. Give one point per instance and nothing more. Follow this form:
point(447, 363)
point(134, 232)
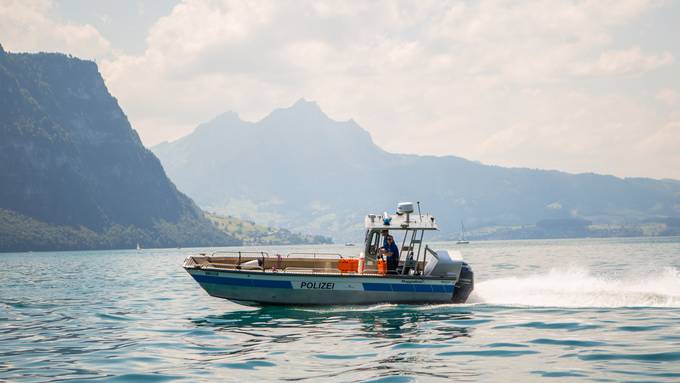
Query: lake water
point(560, 310)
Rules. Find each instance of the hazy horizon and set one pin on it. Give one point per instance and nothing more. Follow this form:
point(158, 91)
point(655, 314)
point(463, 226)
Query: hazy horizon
point(577, 87)
point(173, 140)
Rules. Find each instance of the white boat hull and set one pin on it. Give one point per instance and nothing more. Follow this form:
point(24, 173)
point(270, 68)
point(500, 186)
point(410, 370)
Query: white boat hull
point(328, 289)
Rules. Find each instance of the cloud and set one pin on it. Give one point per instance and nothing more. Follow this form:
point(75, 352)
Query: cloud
point(668, 96)
point(665, 140)
point(617, 62)
point(538, 84)
point(662, 148)
point(28, 25)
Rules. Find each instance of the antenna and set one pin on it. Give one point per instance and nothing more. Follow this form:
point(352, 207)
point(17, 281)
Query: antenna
point(419, 215)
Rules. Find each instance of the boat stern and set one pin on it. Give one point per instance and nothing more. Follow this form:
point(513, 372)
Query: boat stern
point(450, 264)
point(466, 283)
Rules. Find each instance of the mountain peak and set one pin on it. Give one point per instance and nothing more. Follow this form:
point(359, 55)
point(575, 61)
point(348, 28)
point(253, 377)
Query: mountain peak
point(301, 110)
point(306, 106)
point(304, 103)
point(228, 116)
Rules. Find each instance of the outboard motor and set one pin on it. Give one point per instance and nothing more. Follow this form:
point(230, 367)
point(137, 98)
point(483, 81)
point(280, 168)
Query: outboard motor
point(443, 264)
point(465, 284)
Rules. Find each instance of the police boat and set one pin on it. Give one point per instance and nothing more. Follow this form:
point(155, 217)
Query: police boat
point(422, 275)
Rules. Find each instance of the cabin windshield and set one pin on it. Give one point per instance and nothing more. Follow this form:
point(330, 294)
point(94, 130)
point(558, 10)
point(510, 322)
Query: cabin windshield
point(408, 241)
point(373, 243)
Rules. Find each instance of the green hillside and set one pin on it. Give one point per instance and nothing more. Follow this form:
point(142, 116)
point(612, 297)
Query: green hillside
point(251, 233)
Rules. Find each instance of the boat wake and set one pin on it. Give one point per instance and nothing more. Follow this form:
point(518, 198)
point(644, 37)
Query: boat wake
point(345, 308)
point(577, 287)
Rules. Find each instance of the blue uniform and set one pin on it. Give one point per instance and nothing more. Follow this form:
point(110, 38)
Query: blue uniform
point(392, 260)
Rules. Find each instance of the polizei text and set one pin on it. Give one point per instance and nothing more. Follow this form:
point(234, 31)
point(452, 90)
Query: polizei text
point(317, 285)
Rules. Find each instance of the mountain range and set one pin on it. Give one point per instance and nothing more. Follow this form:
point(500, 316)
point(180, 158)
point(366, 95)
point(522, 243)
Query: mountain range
point(75, 175)
point(302, 170)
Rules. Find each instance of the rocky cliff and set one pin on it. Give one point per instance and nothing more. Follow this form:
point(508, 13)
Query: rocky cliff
point(73, 172)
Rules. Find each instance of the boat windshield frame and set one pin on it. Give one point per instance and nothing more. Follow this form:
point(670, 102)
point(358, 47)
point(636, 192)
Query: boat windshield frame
point(411, 245)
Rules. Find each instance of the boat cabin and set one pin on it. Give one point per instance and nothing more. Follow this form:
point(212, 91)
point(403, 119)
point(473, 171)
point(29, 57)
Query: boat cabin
point(405, 226)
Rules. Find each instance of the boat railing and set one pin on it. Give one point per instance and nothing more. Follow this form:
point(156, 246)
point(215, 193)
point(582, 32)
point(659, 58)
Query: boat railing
point(314, 254)
point(429, 250)
point(316, 257)
point(298, 261)
point(239, 255)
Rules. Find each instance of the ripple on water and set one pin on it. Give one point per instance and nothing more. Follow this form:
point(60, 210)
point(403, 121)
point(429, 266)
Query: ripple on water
point(392, 379)
point(410, 345)
point(491, 353)
point(249, 365)
point(151, 378)
point(650, 357)
point(653, 374)
point(113, 317)
point(345, 356)
point(496, 345)
point(569, 326)
point(639, 328)
point(559, 374)
point(568, 342)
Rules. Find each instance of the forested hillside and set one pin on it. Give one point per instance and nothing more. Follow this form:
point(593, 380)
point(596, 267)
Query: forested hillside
point(73, 172)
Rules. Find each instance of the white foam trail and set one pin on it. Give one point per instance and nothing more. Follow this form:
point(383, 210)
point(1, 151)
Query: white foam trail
point(332, 309)
point(578, 288)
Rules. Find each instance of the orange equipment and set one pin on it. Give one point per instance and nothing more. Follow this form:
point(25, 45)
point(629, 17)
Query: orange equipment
point(348, 265)
point(382, 266)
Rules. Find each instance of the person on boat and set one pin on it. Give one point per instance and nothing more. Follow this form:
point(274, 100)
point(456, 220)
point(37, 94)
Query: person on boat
point(385, 233)
point(391, 253)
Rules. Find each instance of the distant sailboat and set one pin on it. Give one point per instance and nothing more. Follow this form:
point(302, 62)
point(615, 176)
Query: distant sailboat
point(462, 240)
point(139, 247)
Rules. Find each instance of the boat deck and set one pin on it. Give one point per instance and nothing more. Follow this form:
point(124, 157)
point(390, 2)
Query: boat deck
point(293, 263)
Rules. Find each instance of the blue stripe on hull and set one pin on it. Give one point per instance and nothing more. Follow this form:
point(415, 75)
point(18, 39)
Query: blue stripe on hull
point(423, 288)
point(243, 282)
point(377, 287)
point(396, 287)
point(399, 287)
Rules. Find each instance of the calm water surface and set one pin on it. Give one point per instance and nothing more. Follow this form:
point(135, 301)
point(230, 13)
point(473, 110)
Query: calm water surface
point(568, 310)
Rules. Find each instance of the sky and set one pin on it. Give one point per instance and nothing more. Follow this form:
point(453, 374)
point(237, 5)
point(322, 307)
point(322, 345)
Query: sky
point(578, 86)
